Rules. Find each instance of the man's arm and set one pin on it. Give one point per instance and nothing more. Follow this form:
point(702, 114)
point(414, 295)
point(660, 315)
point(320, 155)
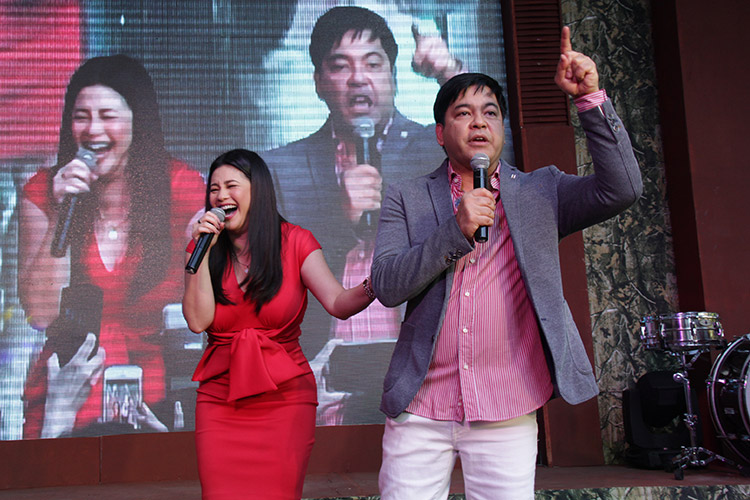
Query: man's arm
point(616, 183)
point(410, 250)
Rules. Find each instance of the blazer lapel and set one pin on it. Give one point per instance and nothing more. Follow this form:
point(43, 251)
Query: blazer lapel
point(321, 164)
point(392, 161)
point(510, 181)
point(439, 190)
point(440, 193)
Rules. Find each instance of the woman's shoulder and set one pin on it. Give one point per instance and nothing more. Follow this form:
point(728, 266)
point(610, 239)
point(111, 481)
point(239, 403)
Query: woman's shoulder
point(180, 171)
point(188, 187)
point(299, 237)
point(293, 231)
point(37, 188)
point(40, 177)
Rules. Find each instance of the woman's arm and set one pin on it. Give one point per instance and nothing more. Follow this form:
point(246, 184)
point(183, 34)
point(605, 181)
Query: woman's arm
point(198, 303)
point(339, 302)
point(41, 276)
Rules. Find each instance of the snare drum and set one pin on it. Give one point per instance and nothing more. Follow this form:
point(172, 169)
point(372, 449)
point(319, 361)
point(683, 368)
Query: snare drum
point(689, 331)
point(729, 396)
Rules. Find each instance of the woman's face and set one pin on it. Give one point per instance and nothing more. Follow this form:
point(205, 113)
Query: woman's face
point(103, 123)
point(229, 189)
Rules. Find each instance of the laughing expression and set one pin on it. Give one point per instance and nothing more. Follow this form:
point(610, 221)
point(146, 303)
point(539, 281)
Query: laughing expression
point(103, 122)
point(473, 124)
point(229, 189)
point(356, 80)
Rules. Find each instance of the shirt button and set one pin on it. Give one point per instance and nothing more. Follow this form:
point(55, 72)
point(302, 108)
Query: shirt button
point(466, 366)
point(466, 293)
point(472, 260)
point(465, 330)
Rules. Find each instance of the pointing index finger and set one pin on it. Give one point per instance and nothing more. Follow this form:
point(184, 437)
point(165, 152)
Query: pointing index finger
point(415, 32)
point(565, 45)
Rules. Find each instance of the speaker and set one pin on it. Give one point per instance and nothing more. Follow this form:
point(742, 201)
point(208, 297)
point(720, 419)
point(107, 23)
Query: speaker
point(653, 414)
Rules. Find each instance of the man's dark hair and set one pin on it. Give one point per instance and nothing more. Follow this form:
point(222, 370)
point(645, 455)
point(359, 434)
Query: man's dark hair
point(334, 24)
point(457, 86)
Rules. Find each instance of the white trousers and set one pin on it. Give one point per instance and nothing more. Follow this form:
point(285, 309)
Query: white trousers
point(498, 459)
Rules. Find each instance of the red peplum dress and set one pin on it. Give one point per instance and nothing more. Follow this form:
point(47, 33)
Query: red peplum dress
point(255, 416)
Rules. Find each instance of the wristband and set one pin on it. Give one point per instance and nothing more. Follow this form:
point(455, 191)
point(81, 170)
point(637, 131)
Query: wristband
point(367, 286)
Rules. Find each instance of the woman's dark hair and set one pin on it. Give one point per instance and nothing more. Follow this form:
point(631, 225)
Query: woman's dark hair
point(265, 274)
point(455, 88)
point(147, 171)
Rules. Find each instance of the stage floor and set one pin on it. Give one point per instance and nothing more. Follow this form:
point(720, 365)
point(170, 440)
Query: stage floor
point(549, 482)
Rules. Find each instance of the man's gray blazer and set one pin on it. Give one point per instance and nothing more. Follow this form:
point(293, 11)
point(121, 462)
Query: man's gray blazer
point(419, 241)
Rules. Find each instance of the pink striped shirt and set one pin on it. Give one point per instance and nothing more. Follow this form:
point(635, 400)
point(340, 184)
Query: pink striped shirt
point(488, 363)
point(590, 101)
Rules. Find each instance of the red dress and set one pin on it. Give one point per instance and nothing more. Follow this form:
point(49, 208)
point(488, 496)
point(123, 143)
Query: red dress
point(129, 332)
point(255, 416)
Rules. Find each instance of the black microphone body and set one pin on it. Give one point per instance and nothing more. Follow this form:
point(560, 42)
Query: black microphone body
point(363, 150)
point(480, 163)
point(201, 247)
point(364, 130)
point(67, 212)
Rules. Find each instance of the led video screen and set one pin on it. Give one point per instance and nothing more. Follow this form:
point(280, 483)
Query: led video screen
point(93, 338)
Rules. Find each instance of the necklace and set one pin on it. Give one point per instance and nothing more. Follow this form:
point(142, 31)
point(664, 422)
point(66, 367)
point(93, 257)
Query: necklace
point(112, 230)
point(245, 268)
point(112, 233)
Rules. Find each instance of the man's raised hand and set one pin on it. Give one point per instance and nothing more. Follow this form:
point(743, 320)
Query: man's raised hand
point(576, 73)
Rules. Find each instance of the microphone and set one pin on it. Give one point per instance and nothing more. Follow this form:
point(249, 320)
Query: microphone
point(480, 163)
point(66, 216)
point(201, 247)
point(364, 129)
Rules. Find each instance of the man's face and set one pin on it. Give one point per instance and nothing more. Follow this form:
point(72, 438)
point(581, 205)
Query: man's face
point(355, 80)
point(473, 124)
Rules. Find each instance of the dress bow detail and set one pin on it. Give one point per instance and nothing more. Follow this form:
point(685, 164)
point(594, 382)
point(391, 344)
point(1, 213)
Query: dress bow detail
point(256, 363)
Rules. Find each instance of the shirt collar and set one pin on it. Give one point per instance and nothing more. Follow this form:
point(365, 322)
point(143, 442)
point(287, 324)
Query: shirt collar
point(456, 184)
point(456, 180)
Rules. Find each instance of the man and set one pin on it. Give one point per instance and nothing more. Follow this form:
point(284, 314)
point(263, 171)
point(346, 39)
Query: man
point(331, 181)
point(325, 182)
point(487, 335)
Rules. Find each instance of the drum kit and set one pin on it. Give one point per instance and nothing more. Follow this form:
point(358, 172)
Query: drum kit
point(687, 335)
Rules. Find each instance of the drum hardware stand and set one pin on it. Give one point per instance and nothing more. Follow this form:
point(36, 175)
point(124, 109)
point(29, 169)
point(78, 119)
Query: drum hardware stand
point(694, 455)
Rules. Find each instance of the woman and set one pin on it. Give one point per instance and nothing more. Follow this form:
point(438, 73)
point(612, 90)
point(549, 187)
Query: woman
point(255, 417)
point(136, 204)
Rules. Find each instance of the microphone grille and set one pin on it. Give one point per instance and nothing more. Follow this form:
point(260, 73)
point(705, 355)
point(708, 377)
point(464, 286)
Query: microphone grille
point(219, 212)
point(364, 127)
point(86, 156)
point(480, 160)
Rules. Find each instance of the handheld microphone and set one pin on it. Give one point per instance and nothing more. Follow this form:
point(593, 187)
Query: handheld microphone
point(201, 247)
point(68, 207)
point(364, 129)
point(480, 163)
